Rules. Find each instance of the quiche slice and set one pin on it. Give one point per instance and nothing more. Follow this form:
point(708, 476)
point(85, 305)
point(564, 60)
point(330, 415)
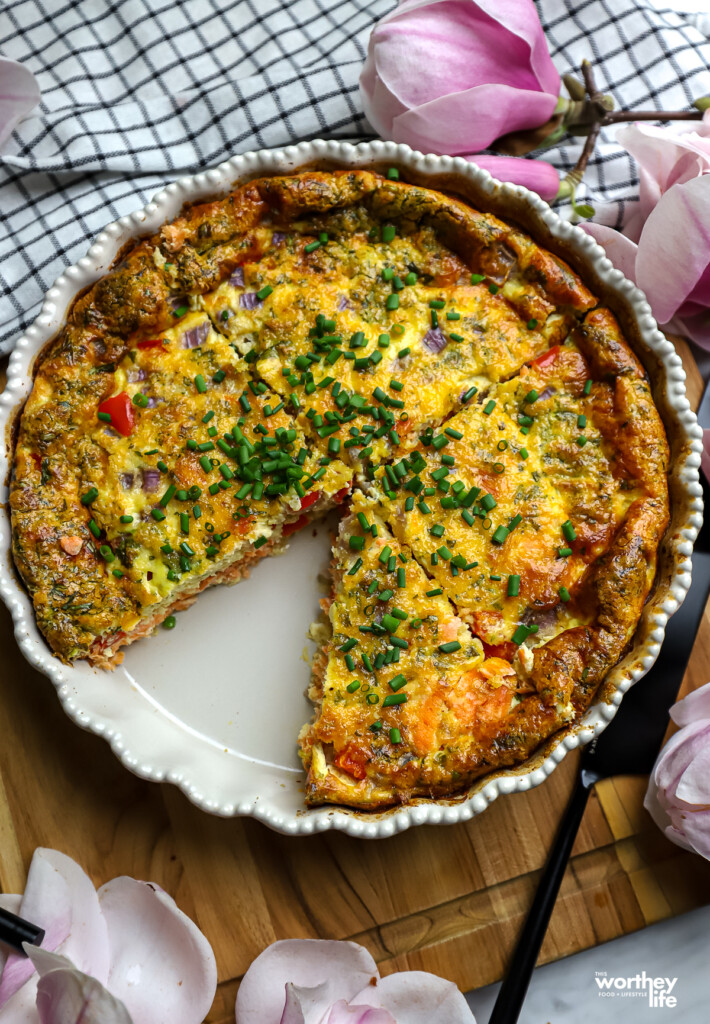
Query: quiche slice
point(408, 703)
point(170, 471)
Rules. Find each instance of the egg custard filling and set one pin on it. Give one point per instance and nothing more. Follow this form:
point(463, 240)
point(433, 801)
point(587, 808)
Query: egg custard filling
point(348, 339)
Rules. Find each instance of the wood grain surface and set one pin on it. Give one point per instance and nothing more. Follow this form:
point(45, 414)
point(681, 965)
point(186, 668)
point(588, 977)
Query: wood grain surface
point(448, 899)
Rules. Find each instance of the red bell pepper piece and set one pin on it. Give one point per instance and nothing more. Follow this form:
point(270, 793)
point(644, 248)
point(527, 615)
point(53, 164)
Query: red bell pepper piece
point(547, 358)
point(120, 410)
point(151, 343)
point(310, 499)
point(342, 494)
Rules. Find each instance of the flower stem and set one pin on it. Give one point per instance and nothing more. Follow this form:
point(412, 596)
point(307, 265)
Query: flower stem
point(595, 114)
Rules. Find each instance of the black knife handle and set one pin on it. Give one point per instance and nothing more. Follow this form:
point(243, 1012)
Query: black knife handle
point(517, 979)
point(15, 930)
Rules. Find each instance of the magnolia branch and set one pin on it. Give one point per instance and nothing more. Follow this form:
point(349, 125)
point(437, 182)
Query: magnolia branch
point(589, 112)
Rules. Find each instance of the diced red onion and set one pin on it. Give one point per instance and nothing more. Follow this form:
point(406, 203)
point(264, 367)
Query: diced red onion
point(127, 480)
point(249, 300)
point(151, 480)
point(549, 390)
point(195, 336)
point(435, 340)
point(343, 303)
point(278, 237)
point(134, 375)
point(152, 401)
point(237, 278)
point(175, 301)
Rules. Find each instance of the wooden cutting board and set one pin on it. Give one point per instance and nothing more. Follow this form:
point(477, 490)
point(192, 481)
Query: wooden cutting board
point(448, 899)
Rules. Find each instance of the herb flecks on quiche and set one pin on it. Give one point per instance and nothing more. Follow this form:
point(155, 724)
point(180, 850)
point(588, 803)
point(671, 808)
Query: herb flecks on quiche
point(308, 338)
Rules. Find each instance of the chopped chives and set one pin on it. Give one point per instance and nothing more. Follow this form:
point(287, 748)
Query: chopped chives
point(392, 301)
point(569, 531)
point(356, 543)
point(581, 440)
point(564, 594)
point(581, 422)
point(450, 647)
point(587, 388)
point(89, 496)
point(513, 586)
point(105, 416)
point(355, 685)
point(383, 341)
point(403, 352)
point(200, 383)
point(394, 698)
point(126, 519)
point(157, 514)
point(435, 592)
point(410, 278)
point(167, 496)
point(264, 292)
point(523, 453)
point(397, 682)
point(564, 552)
point(260, 541)
point(93, 526)
point(520, 635)
point(532, 324)
point(532, 396)
point(312, 246)
point(387, 233)
point(206, 464)
point(468, 395)
point(401, 578)
point(499, 535)
point(489, 407)
point(453, 315)
point(493, 289)
point(118, 573)
point(488, 502)
point(477, 278)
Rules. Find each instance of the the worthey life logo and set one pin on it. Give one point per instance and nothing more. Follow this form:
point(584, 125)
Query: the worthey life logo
point(659, 990)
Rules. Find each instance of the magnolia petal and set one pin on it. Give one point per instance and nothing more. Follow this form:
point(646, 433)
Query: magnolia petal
point(306, 963)
point(161, 965)
point(665, 156)
point(678, 227)
point(416, 997)
point(535, 175)
point(68, 996)
point(693, 787)
point(471, 120)
point(697, 704)
point(349, 1013)
point(19, 94)
point(620, 249)
point(60, 898)
point(463, 46)
point(694, 827)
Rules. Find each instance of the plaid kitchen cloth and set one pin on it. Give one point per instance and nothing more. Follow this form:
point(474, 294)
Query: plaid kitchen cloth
point(136, 93)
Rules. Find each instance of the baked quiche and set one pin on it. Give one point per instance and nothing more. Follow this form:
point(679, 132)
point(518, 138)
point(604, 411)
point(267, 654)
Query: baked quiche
point(348, 339)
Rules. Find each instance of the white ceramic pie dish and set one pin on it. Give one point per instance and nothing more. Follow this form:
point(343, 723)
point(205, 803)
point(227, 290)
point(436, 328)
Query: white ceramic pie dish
point(220, 720)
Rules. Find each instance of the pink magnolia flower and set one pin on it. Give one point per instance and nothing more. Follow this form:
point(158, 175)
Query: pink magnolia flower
point(452, 76)
point(19, 94)
point(665, 245)
point(124, 954)
point(309, 981)
point(678, 796)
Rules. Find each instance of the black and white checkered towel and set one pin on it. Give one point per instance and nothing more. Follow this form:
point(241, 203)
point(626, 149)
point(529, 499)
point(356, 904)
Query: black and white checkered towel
point(136, 93)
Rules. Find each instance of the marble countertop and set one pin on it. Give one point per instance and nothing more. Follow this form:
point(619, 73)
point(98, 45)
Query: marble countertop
point(570, 991)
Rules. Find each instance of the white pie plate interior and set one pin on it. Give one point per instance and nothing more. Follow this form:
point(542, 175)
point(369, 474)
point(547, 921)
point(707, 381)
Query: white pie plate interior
point(215, 705)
